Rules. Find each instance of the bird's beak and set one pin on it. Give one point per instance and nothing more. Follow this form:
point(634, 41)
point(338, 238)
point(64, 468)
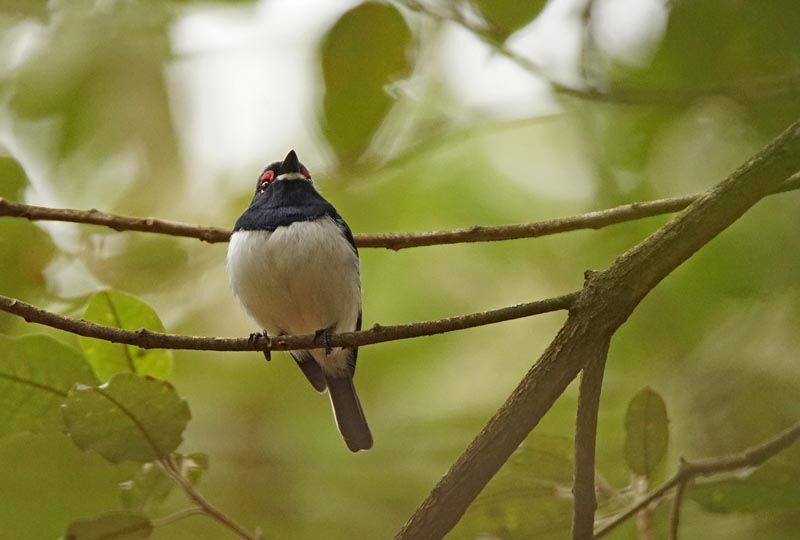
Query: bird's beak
point(290, 164)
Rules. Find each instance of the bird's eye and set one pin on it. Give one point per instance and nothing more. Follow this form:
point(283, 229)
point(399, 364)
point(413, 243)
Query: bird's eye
point(304, 171)
point(266, 177)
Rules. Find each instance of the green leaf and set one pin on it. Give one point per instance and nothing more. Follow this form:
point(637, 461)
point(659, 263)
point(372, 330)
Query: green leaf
point(770, 487)
point(646, 432)
point(128, 418)
point(24, 8)
point(26, 251)
point(12, 179)
point(120, 310)
point(110, 526)
point(150, 485)
point(36, 372)
point(507, 16)
point(364, 51)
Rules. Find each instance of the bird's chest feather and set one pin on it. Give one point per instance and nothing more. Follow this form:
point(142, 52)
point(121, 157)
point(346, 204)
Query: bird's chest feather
point(297, 279)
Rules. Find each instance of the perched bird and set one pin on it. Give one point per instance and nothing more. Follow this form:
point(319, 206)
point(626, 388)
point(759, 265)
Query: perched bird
point(294, 267)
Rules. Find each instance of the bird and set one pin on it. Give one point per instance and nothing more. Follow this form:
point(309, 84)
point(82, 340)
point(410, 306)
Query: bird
point(294, 267)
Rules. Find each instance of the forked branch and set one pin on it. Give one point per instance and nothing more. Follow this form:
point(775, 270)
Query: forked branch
point(606, 301)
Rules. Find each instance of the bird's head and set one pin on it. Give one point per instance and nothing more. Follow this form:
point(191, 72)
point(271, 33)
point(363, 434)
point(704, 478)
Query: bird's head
point(290, 169)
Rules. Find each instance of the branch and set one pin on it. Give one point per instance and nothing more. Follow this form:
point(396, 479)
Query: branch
point(688, 470)
point(178, 516)
point(583, 490)
point(607, 300)
point(394, 241)
point(203, 504)
point(675, 515)
point(147, 339)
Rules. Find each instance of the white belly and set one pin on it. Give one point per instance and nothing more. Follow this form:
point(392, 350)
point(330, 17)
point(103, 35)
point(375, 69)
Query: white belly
point(297, 280)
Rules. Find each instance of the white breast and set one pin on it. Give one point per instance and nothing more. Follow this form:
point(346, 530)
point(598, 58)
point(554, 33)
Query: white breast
point(298, 279)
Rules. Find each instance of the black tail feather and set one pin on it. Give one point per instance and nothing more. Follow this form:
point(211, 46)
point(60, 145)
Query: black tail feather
point(310, 369)
point(349, 415)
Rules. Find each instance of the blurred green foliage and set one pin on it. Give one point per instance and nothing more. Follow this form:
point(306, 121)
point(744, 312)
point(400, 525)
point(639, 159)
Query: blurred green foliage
point(506, 17)
point(93, 117)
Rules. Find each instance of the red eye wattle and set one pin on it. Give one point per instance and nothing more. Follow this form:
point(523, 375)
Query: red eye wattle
point(304, 171)
point(267, 177)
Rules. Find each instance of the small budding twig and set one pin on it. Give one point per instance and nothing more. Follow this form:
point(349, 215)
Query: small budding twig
point(203, 505)
point(689, 470)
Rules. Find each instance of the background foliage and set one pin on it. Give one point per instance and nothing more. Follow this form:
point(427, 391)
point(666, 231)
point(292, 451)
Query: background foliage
point(408, 123)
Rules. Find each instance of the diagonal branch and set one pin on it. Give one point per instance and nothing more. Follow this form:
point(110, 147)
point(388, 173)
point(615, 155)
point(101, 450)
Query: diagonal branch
point(204, 506)
point(394, 241)
point(147, 339)
point(688, 470)
point(605, 303)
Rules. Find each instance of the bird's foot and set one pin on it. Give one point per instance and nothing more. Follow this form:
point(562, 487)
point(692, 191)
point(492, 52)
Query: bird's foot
point(326, 339)
point(253, 339)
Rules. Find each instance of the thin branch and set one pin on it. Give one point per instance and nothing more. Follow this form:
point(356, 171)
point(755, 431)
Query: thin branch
point(208, 509)
point(395, 241)
point(583, 488)
point(689, 470)
point(605, 303)
point(644, 517)
point(675, 515)
point(147, 339)
point(178, 516)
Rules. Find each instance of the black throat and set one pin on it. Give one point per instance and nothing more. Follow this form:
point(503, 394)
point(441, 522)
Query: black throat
point(282, 203)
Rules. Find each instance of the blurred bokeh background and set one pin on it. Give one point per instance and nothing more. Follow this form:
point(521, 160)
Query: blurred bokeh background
point(411, 117)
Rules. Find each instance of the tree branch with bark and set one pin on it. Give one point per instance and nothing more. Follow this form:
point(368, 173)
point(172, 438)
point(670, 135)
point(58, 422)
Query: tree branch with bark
point(604, 304)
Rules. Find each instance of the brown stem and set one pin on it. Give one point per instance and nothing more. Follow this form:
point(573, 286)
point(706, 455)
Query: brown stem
point(208, 509)
point(394, 241)
point(583, 489)
point(148, 339)
point(644, 517)
point(675, 515)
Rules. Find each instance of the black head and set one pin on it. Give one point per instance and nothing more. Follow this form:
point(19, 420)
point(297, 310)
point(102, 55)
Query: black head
point(279, 171)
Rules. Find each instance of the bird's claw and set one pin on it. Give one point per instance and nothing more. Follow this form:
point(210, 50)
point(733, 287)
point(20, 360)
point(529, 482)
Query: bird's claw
point(253, 339)
point(326, 339)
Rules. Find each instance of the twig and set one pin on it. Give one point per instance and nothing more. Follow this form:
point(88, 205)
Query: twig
point(752, 457)
point(207, 508)
point(605, 303)
point(177, 516)
point(644, 517)
point(675, 516)
point(583, 490)
point(394, 241)
point(147, 339)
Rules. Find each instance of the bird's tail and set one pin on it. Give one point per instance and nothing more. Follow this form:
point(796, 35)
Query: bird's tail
point(349, 415)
